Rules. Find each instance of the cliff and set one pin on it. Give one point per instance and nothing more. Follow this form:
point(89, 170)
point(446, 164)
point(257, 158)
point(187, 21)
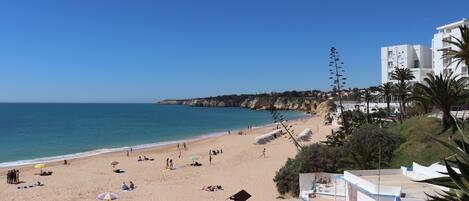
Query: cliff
point(258, 102)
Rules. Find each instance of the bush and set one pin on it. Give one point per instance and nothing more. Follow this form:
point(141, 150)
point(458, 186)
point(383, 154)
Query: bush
point(312, 158)
point(417, 144)
point(365, 144)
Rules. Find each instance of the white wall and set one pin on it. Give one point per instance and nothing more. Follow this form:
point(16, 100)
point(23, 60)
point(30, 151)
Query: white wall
point(363, 197)
point(405, 56)
point(447, 31)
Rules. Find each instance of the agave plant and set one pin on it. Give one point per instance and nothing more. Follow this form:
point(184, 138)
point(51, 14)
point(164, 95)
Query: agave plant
point(456, 181)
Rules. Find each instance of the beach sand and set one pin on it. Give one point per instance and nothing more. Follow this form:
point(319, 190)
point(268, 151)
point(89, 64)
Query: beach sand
point(239, 167)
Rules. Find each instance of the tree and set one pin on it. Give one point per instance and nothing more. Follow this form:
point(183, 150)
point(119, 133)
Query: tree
point(443, 91)
point(461, 55)
point(312, 158)
point(366, 96)
point(403, 76)
point(420, 101)
point(387, 90)
point(354, 120)
point(336, 72)
point(369, 145)
point(279, 119)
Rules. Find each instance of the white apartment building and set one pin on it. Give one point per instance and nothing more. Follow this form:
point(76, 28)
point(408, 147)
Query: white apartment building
point(417, 58)
point(438, 47)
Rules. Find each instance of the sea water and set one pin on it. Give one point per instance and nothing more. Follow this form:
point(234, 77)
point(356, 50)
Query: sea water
point(39, 132)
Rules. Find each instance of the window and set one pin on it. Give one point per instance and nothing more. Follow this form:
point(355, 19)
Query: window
point(464, 70)
point(389, 54)
point(390, 64)
point(447, 71)
point(416, 64)
point(447, 62)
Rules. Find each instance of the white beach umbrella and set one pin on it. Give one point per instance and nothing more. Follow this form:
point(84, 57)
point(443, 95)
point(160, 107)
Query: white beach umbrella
point(107, 196)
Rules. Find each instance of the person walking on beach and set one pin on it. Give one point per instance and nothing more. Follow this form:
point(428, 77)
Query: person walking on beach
point(128, 153)
point(263, 153)
point(178, 146)
point(210, 159)
point(184, 145)
point(9, 177)
point(180, 154)
point(167, 163)
point(171, 165)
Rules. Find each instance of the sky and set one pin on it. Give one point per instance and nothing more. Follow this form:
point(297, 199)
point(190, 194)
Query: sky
point(144, 51)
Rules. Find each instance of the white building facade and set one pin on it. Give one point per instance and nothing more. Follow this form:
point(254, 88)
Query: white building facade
point(446, 32)
point(417, 58)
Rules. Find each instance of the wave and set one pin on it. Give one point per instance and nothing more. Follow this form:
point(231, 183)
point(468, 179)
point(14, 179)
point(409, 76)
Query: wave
point(120, 149)
point(106, 150)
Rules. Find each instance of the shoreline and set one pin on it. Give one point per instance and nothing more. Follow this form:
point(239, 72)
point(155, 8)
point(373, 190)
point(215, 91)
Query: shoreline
point(139, 147)
point(240, 166)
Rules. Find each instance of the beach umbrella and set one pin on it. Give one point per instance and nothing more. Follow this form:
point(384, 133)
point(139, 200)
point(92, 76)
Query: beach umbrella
point(194, 157)
point(40, 166)
point(107, 196)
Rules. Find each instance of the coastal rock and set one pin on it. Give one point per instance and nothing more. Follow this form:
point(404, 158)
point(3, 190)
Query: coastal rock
point(258, 102)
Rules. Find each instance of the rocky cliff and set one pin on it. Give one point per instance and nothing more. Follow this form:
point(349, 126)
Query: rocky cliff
point(258, 103)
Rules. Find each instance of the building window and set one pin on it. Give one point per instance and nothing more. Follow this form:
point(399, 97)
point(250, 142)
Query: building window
point(447, 62)
point(390, 64)
point(389, 54)
point(464, 71)
point(447, 71)
point(416, 64)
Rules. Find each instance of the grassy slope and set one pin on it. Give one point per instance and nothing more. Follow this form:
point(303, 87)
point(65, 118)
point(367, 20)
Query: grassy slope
point(417, 146)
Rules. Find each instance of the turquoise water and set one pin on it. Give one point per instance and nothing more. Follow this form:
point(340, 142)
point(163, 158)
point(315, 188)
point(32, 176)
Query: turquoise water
point(29, 131)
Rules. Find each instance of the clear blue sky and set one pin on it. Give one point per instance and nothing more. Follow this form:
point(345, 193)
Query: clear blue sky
point(142, 51)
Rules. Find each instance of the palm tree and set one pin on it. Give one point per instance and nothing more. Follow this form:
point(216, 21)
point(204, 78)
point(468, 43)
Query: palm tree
point(460, 55)
point(387, 90)
point(443, 91)
point(366, 96)
point(423, 101)
point(403, 76)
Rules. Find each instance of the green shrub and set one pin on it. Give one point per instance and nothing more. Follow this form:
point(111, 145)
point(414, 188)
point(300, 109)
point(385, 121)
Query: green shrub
point(368, 143)
point(417, 144)
point(312, 158)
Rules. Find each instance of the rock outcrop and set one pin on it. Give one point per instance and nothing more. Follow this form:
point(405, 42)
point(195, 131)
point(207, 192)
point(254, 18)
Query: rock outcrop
point(258, 102)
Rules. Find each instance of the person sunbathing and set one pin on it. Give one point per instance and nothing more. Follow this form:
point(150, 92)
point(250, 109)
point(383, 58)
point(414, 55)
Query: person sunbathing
point(45, 173)
point(124, 187)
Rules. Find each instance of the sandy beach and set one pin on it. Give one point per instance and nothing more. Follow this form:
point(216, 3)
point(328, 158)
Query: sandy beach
point(239, 167)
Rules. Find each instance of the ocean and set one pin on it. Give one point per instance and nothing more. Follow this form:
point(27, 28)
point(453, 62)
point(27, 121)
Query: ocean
point(38, 132)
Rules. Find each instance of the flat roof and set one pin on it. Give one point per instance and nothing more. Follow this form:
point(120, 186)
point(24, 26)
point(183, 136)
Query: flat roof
point(412, 189)
point(454, 24)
